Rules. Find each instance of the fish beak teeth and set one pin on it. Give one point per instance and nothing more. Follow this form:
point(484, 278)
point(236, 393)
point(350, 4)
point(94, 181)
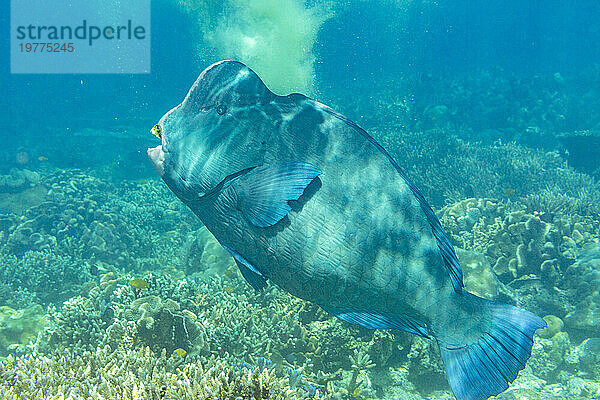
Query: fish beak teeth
point(157, 157)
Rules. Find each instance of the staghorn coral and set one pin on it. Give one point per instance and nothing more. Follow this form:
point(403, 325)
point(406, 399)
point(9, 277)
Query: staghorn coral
point(52, 277)
point(552, 201)
point(78, 325)
point(244, 324)
point(137, 375)
point(234, 323)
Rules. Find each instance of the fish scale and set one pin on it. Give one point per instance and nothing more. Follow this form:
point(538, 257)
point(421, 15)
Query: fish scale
point(304, 198)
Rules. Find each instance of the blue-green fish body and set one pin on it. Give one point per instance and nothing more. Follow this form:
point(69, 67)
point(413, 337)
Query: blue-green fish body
point(303, 197)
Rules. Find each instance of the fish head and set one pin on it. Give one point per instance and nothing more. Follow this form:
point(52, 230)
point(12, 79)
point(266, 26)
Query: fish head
point(219, 128)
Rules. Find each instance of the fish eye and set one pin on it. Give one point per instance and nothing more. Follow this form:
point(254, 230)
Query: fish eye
point(157, 131)
point(221, 109)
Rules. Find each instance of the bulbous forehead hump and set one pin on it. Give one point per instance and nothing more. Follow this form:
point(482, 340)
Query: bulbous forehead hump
point(227, 82)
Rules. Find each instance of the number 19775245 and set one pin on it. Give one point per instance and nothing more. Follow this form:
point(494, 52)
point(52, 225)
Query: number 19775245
point(51, 47)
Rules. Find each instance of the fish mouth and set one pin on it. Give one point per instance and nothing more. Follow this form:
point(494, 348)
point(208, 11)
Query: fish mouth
point(157, 157)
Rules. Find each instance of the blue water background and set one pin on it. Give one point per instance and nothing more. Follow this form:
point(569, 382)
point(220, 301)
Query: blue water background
point(365, 42)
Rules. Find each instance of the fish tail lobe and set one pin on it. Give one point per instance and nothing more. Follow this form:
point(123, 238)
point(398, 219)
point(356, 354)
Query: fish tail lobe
point(496, 346)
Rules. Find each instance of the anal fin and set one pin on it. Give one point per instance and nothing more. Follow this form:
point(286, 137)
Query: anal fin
point(375, 320)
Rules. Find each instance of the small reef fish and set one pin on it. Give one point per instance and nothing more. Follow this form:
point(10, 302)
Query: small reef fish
point(180, 352)
point(42, 158)
point(139, 284)
point(303, 197)
point(509, 191)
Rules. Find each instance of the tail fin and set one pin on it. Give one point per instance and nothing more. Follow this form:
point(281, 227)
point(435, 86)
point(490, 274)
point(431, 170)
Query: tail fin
point(485, 367)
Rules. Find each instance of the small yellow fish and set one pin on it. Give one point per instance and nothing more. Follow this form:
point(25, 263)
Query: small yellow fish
point(509, 191)
point(42, 158)
point(139, 284)
point(180, 352)
point(228, 289)
point(157, 131)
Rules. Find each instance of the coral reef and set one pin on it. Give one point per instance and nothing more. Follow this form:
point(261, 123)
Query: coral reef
point(74, 208)
point(138, 374)
point(195, 329)
point(86, 226)
point(18, 180)
point(19, 326)
point(224, 317)
point(114, 312)
point(547, 111)
point(533, 254)
point(51, 277)
point(448, 169)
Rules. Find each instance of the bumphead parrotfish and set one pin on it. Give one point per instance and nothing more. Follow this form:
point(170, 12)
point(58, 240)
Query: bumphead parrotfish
point(303, 197)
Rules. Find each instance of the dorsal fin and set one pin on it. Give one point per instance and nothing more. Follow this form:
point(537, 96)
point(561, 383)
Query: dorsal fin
point(443, 242)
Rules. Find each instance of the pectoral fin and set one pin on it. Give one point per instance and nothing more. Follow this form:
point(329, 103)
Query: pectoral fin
point(264, 192)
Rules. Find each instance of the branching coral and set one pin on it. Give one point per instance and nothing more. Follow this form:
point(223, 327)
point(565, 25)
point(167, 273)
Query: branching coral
point(448, 169)
point(52, 277)
point(137, 375)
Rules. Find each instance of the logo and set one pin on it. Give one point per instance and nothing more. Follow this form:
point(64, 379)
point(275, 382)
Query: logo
point(80, 36)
